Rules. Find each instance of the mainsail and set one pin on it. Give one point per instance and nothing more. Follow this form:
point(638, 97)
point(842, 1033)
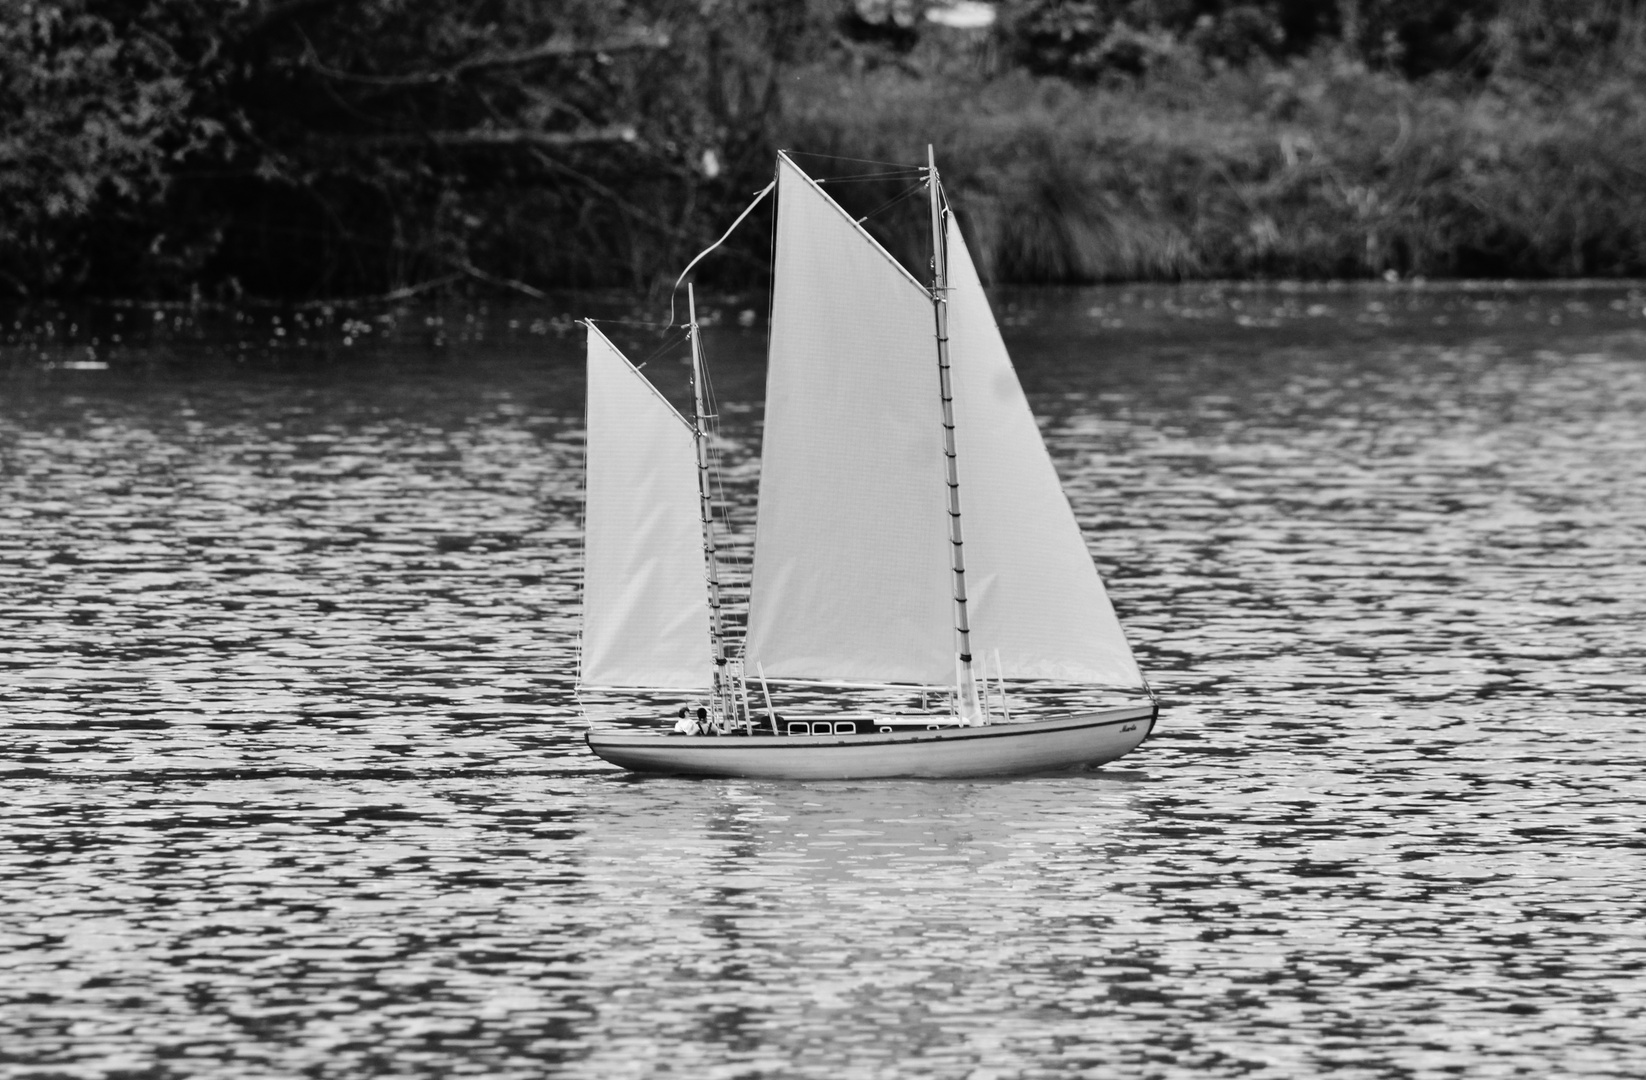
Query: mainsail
point(850, 578)
point(851, 571)
point(645, 604)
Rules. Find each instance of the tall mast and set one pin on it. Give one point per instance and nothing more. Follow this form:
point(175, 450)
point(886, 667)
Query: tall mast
point(700, 438)
point(967, 685)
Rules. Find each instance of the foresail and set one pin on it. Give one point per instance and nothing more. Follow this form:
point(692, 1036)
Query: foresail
point(645, 604)
point(850, 576)
point(1033, 592)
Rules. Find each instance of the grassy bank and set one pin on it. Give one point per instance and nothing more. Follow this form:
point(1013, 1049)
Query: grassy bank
point(1315, 169)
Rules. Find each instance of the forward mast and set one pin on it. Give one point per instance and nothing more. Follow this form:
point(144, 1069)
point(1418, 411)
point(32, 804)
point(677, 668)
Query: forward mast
point(723, 695)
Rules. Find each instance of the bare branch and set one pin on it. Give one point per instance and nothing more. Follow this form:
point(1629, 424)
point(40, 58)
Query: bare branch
point(605, 192)
point(556, 48)
point(492, 279)
point(270, 15)
point(405, 292)
point(494, 137)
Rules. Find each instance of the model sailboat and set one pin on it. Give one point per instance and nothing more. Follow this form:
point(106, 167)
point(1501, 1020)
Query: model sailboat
point(911, 531)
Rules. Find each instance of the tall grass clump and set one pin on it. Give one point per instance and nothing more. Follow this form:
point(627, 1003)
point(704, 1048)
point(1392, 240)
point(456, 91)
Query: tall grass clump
point(1319, 165)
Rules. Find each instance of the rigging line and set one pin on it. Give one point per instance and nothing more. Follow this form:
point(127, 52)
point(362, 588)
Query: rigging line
point(767, 190)
point(900, 174)
point(859, 160)
point(891, 202)
point(670, 343)
point(649, 323)
point(870, 174)
point(720, 506)
point(673, 342)
point(734, 559)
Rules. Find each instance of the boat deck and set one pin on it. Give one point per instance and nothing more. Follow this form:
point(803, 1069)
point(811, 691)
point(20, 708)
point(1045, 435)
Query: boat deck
point(1074, 741)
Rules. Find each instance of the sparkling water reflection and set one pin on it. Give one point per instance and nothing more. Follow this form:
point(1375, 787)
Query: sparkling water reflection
point(294, 782)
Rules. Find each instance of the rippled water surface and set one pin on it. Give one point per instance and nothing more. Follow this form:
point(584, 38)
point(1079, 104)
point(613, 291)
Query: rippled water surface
point(294, 782)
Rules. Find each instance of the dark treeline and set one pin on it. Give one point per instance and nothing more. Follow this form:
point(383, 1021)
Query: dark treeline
point(304, 147)
point(317, 148)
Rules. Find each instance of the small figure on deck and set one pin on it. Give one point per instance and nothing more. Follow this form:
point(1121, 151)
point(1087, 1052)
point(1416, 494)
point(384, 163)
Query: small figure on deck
point(687, 724)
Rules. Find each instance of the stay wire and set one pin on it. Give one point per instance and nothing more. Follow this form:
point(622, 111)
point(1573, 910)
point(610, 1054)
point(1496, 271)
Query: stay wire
point(650, 324)
point(727, 556)
point(857, 160)
point(891, 202)
point(856, 178)
point(673, 341)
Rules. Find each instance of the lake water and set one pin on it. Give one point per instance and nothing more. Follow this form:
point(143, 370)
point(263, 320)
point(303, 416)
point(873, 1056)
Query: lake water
point(294, 783)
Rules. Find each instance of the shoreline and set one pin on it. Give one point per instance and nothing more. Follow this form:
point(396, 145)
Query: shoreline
point(563, 299)
point(97, 335)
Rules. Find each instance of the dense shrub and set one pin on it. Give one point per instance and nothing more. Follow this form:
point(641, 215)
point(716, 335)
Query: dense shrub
point(299, 146)
point(94, 117)
point(1094, 39)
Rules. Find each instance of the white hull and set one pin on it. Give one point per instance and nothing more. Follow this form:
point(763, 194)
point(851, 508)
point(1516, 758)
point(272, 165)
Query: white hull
point(1078, 740)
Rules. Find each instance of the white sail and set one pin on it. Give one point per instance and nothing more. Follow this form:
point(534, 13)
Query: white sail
point(645, 601)
point(850, 577)
point(1033, 592)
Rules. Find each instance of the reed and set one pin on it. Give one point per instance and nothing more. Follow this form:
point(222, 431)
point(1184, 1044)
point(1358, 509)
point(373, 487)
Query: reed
point(1319, 168)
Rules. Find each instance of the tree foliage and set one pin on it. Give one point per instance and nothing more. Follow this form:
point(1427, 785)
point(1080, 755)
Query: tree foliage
point(1096, 39)
point(317, 146)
